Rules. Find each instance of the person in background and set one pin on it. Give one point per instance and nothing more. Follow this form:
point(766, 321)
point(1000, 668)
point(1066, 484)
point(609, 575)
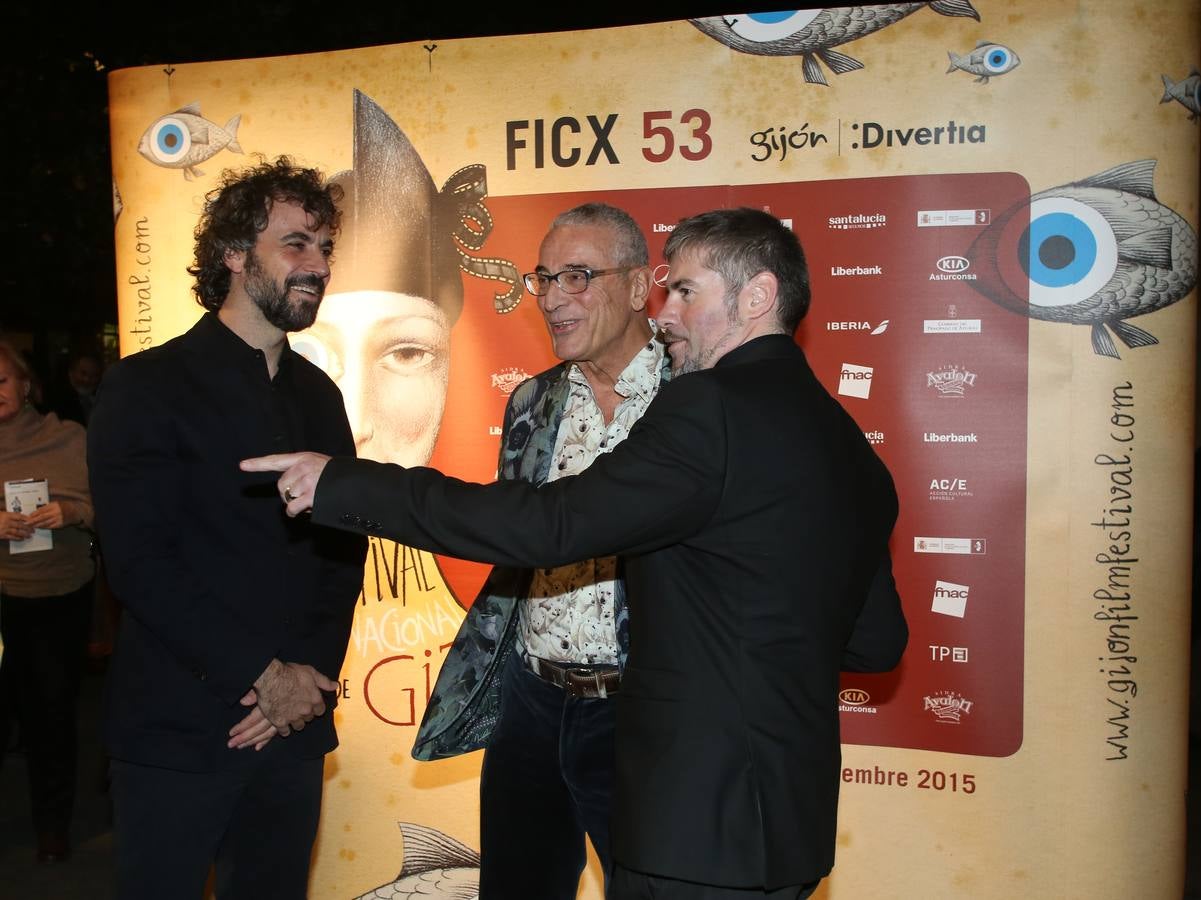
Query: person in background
point(73, 401)
point(45, 599)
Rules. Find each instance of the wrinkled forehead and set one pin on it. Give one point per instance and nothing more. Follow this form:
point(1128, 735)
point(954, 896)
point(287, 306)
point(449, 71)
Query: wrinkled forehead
point(577, 245)
point(286, 216)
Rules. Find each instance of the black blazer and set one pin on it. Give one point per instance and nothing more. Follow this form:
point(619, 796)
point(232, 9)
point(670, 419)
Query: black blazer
point(753, 517)
point(213, 578)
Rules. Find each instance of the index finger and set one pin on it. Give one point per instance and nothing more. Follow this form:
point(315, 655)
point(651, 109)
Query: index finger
point(276, 462)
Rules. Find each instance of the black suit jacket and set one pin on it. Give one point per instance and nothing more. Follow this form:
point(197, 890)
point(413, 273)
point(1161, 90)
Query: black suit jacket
point(753, 517)
point(214, 580)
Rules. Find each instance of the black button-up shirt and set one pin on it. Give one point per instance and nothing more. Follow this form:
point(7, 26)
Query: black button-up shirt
point(215, 579)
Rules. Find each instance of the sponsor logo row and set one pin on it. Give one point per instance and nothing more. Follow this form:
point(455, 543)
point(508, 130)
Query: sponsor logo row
point(930, 437)
point(877, 219)
point(945, 268)
point(945, 707)
point(929, 326)
point(950, 382)
point(925, 218)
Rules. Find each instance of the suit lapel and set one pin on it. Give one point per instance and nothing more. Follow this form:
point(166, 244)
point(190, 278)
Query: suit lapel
point(546, 415)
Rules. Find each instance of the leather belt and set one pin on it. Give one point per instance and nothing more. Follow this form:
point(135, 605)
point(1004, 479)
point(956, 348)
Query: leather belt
point(591, 682)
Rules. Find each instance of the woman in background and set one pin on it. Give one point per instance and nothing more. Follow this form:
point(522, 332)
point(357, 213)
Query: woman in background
point(45, 599)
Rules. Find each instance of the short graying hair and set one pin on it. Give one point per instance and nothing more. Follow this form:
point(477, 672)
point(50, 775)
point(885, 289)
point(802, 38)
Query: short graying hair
point(629, 247)
point(738, 244)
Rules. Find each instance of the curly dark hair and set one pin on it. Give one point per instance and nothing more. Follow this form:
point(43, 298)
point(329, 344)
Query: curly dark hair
point(238, 209)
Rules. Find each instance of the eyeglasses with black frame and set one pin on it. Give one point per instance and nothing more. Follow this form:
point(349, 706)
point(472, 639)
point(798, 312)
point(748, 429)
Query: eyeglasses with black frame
point(570, 281)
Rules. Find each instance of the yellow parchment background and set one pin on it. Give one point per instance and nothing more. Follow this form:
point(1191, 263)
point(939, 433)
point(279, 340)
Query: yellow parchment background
point(1056, 819)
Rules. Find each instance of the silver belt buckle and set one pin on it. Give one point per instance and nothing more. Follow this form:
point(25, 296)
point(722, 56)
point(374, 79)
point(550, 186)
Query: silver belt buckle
point(598, 680)
point(601, 691)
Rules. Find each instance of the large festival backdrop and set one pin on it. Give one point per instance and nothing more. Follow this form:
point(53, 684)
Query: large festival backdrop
point(999, 205)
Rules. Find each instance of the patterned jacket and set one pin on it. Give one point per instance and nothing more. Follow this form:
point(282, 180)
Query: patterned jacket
point(465, 702)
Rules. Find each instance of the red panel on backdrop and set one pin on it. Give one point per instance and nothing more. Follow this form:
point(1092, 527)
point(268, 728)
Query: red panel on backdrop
point(933, 372)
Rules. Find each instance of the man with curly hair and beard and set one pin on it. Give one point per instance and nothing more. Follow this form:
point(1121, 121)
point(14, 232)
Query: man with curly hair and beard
point(236, 618)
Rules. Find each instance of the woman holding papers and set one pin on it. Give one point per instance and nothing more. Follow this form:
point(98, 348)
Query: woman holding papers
point(46, 574)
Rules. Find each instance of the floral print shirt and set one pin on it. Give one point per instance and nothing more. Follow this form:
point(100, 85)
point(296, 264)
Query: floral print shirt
point(568, 616)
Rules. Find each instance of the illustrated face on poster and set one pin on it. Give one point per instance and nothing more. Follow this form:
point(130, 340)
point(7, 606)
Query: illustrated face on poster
point(383, 332)
point(389, 354)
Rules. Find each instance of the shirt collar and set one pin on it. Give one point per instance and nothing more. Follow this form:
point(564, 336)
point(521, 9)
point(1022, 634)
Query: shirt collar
point(641, 374)
point(223, 344)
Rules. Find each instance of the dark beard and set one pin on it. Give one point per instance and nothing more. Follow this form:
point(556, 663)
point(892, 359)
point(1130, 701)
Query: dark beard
point(272, 298)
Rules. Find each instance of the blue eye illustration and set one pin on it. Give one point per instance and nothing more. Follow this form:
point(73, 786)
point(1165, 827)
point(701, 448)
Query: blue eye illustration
point(169, 140)
point(1068, 251)
point(986, 61)
point(997, 59)
point(1095, 252)
point(812, 34)
point(181, 139)
point(771, 26)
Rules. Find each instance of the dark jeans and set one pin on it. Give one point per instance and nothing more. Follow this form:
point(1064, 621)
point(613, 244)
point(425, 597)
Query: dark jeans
point(630, 885)
point(44, 642)
point(256, 824)
point(547, 779)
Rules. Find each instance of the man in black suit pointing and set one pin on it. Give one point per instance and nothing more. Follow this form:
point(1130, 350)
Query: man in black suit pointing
point(753, 520)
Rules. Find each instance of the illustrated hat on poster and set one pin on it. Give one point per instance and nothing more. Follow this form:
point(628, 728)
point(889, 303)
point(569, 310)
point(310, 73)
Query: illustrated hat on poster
point(400, 233)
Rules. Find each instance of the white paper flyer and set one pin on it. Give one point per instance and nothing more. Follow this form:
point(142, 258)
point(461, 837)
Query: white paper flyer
point(24, 497)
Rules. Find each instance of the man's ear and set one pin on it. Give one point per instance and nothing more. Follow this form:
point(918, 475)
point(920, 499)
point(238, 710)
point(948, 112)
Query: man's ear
point(235, 261)
point(640, 287)
point(758, 296)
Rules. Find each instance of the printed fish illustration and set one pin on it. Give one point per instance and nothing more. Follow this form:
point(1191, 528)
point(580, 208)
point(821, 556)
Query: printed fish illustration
point(1094, 252)
point(181, 139)
point(812, 33)
point(1187, 93)
point(987, 60)
point(436, 867)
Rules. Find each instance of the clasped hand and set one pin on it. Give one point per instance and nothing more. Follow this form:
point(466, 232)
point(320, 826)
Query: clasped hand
point(15, 526)
point(286, 697)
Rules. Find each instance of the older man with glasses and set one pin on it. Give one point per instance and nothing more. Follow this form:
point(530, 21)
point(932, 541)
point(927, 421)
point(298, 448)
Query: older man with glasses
point(538, 658)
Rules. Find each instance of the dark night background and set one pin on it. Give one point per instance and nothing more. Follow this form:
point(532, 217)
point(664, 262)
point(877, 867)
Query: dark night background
point(57, 288)
point(57, 279)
